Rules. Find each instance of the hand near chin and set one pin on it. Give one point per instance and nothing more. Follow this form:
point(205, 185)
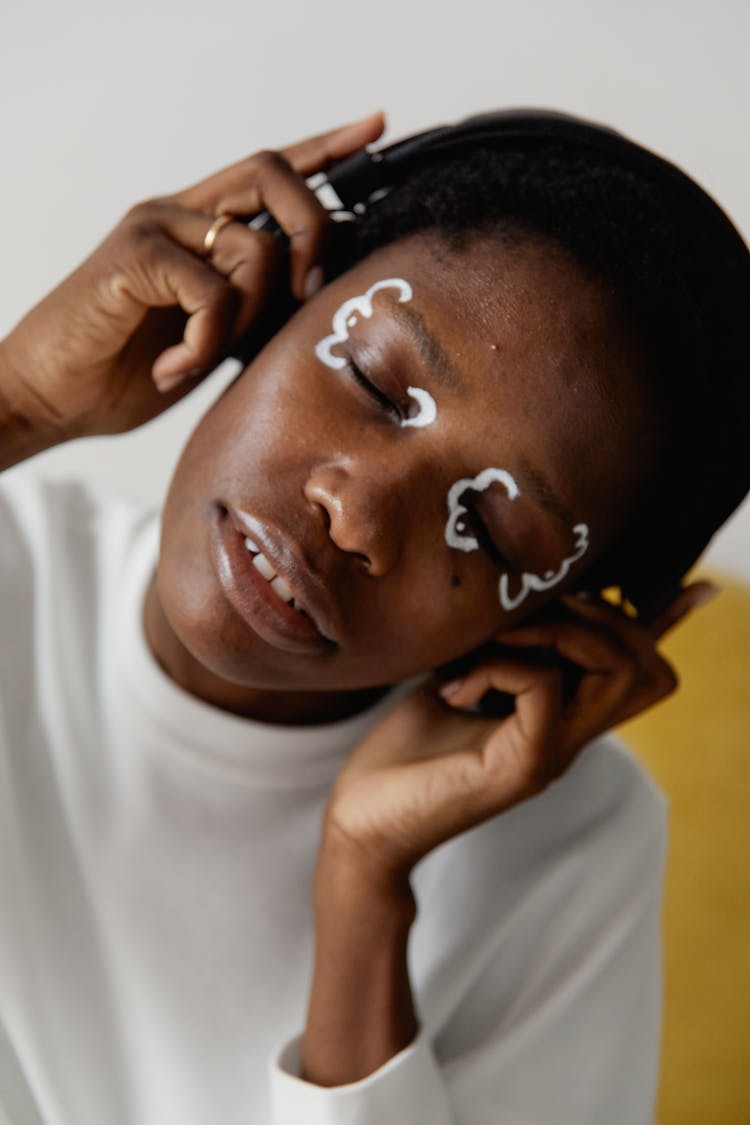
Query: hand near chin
point(162, 300)
point(432, 770)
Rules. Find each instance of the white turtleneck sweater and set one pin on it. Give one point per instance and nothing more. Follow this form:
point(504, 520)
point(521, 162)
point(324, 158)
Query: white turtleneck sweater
point(156, 857)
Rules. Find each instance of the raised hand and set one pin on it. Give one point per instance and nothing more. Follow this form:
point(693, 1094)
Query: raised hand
point(432, 769)
point(149, 313)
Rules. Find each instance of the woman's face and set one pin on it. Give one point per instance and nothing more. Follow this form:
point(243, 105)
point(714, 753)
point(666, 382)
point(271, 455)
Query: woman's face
point(344, 479)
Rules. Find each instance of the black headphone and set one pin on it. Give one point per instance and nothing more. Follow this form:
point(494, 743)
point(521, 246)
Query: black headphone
point(363, 179)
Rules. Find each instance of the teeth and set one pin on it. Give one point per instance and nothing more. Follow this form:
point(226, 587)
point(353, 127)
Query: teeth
point(278, 584)
point(280, 587)
point(261, 563)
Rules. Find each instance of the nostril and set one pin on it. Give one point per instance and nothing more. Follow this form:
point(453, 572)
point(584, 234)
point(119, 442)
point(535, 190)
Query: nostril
point(323, 514)
point(347, 514)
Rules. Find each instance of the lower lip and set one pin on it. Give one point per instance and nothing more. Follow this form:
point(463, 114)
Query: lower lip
point(251, 596)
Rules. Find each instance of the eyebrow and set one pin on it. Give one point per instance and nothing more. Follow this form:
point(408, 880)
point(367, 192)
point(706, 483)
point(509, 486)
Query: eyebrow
point(436, 358)
point(430, 349)
point(542, 492)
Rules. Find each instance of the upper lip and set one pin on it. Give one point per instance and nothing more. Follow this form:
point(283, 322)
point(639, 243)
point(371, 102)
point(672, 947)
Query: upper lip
point(287, 559)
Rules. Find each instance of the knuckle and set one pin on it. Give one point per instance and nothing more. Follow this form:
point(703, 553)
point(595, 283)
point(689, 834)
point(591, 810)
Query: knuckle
point(311, 235)
point(268, 161)
point(142, 212)
point(141, 228)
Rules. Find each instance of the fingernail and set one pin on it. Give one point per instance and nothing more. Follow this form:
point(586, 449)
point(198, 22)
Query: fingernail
point(313, 281)
point(452, 687)
point(173, 379)
point(168, 382)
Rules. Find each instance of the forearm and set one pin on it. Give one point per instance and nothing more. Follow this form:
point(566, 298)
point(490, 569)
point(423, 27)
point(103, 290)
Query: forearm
point(361, 1011)
point(25, 424)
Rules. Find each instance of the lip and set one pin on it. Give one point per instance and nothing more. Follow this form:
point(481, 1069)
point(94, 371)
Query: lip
point(250, 594)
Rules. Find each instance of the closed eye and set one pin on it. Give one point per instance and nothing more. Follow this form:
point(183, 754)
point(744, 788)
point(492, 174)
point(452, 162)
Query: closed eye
point(383, 401)
point(480, 532)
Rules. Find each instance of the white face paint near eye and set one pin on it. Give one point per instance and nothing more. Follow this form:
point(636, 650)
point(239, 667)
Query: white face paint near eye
point(347, 317)
point(550, 578)
point(427, 412)
point(457, 535)
point(456, 530)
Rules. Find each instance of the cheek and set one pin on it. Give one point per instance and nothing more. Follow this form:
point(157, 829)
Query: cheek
point(462, 605)
point(265, 413)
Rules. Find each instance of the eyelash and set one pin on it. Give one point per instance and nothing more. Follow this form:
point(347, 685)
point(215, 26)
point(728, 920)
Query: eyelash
point(383, 401)
point(485, 540)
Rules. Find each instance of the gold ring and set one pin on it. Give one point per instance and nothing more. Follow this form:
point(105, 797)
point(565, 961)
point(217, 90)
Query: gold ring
point(210, 237)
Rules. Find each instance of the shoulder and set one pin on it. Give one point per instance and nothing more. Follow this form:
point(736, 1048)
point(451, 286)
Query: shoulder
point(62, 549)
point(42, 519)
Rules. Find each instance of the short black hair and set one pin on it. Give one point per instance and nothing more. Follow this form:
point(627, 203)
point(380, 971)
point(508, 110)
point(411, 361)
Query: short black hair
point(685, 292)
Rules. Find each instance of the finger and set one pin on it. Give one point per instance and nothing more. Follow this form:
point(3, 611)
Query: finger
point(623, 673)
point(298, 211)
point(305, 157)
point(315, 153)
point(524, 752)
point(271, 185)
point(249, 260)
point(688, 599)
point(252, 268)
point(610, 673)
point(163, 274)
point(633, 635)
point(537, 691)
point(591, 648)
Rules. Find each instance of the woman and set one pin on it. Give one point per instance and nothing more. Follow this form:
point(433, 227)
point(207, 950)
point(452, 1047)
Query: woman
point(220, 814)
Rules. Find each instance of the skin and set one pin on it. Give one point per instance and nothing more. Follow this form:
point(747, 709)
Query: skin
point(366, 499)
point(546, 377)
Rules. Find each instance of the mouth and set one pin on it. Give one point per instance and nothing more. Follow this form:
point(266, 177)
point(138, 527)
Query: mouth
point(268, 584)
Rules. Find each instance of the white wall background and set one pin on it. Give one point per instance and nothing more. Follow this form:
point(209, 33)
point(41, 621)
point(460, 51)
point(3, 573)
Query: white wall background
point(103, 104)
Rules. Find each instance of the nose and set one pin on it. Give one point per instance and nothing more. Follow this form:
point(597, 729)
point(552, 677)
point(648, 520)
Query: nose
point(362, 514)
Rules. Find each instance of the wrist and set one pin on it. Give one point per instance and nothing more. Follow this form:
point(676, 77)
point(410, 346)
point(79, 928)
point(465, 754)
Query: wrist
point(26, 427)
point(349, 877)
point(361, 1010)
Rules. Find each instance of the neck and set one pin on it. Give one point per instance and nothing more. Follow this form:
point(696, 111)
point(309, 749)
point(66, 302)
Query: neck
point(292, 708)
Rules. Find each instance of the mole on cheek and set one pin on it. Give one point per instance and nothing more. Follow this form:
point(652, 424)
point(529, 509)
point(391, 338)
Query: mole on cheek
point(455, 580)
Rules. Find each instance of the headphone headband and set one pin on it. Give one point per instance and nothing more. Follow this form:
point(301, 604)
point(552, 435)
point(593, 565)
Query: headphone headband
point(362, 179)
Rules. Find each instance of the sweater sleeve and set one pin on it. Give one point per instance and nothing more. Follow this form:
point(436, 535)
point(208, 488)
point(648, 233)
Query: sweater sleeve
point(409, 1088)
point(554, 1016)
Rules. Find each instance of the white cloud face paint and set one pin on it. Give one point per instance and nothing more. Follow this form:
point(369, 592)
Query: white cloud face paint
point(347, 316)
point(457, 535)
point(427, 412)
point(550, 578)
point(456, 529)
